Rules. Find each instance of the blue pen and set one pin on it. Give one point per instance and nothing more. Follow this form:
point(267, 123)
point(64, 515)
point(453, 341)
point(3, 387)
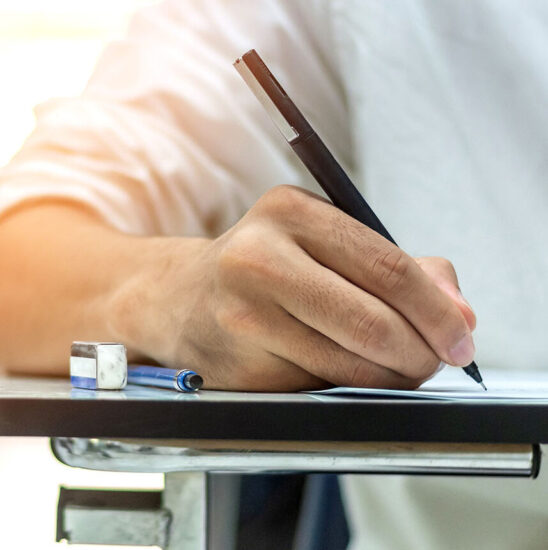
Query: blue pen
point(160, 377)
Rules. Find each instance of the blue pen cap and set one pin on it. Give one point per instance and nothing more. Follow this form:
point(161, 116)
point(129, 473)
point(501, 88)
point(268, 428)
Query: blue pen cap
point(188, 380)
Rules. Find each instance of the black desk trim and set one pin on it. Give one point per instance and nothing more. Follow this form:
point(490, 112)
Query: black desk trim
point(366, 420)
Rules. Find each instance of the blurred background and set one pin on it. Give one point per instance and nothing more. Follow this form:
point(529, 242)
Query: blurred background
point(48, 49)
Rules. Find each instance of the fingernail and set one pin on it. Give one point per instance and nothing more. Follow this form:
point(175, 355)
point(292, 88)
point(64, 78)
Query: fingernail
point(464, 300)
point(462, 353)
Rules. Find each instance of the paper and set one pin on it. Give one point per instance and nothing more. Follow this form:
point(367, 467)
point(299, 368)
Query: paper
point(454, 385)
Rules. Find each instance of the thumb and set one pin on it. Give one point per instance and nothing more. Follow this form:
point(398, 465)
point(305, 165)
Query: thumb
point(442, 272)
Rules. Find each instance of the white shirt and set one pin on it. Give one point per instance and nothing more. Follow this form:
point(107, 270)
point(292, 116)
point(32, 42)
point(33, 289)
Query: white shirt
point(437, 107)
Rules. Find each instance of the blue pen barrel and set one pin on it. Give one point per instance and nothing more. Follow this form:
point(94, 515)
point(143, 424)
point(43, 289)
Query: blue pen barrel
point(153, 376)
point(161, 377)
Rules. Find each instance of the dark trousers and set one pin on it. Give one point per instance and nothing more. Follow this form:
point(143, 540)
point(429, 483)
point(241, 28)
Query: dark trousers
point(291, 512)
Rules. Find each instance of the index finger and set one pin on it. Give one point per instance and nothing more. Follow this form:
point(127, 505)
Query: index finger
point(379, 267)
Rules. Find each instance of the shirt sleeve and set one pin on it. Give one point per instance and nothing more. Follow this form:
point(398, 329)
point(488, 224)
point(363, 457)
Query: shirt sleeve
point(166, 138)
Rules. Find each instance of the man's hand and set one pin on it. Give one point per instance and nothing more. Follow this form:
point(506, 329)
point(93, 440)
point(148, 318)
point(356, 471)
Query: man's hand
point(297, 295)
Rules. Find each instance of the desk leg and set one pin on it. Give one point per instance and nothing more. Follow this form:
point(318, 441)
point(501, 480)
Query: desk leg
point(223, 492)
point(204, 510)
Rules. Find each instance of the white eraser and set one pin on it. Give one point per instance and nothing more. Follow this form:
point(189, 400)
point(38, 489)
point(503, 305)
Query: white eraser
point(98, 365)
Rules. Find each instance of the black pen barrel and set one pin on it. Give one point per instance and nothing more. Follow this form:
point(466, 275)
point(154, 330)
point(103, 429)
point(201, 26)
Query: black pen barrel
point(334, 181)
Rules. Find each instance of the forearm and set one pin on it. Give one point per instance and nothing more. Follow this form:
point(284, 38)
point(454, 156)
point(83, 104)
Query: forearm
point(60, 269)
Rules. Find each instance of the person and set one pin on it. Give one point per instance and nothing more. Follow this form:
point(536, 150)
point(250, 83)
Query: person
point(162, 209)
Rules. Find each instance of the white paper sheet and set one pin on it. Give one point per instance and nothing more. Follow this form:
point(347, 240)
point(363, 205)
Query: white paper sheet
point(454, 385)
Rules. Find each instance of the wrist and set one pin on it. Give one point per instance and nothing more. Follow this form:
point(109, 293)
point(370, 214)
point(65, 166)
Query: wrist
point(141, 307)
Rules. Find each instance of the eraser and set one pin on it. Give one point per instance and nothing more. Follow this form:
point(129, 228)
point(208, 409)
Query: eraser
point(98, 365)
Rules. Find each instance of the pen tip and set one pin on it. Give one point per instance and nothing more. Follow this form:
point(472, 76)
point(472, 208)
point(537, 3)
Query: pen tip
point(483, 386)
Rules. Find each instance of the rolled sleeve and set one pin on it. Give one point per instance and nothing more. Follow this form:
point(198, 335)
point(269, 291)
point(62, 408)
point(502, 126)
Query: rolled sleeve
point(166, 139)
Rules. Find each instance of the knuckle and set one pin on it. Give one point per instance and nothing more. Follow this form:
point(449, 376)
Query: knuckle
point(359, 375)
point(390, 270)
point(283, 202)
point(370, 330)
point(445, 265)
point(425, 370)
point(246, 258)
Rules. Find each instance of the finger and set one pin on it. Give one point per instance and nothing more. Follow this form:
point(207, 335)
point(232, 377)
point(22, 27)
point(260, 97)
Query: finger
point(374, 264)
point(275, 373)
point(442, 272)
point(247, 327)
point(260, 370)
point(354, 319)
point(312, 351)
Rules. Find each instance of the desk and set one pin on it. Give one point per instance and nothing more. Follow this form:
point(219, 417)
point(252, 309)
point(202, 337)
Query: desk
point(50, 407)
point(147, 429)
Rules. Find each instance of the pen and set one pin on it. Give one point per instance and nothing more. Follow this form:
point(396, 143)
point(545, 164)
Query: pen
point(160, 377)
point(313, 152)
